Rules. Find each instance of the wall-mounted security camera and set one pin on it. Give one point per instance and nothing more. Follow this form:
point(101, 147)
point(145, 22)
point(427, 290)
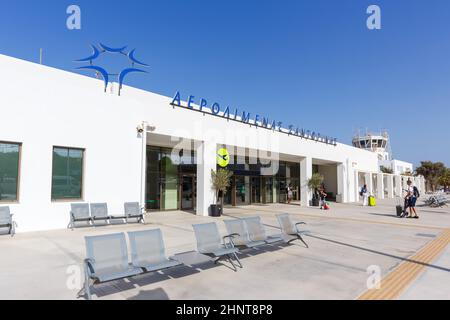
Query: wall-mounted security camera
point(139, 129)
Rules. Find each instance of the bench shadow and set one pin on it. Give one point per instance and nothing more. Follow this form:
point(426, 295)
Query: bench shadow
point(379, 253)
point(116, 286)
point(155, 294)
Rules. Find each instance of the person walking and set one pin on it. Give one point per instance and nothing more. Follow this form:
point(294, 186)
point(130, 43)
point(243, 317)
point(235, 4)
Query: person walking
point(365, 195)
point(412, 195)
point(322, 196)
point(290, 194)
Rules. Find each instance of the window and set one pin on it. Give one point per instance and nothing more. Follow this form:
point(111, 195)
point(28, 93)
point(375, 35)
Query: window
point(9, 171)
point(67, 174)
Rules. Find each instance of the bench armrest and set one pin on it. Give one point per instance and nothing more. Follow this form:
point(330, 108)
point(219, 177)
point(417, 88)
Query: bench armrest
point(297, 224)
point(89, 264)
point(230, 238)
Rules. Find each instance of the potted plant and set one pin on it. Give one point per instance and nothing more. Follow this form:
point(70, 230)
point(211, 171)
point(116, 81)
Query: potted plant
point(220, 181)
point(314, 184)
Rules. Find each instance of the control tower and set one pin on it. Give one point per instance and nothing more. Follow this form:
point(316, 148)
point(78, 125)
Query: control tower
point(375, 142)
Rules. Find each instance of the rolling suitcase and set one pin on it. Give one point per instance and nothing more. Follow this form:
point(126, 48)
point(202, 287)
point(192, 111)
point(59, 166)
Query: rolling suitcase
point(372, 201)
point(399, 210)
point(399, 207)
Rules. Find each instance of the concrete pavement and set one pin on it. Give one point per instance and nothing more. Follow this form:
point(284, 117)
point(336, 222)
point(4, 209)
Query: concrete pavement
point(344, 242)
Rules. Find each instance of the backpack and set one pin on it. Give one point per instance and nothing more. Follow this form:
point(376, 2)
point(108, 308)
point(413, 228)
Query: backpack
point(416, 192)
point(363, 190)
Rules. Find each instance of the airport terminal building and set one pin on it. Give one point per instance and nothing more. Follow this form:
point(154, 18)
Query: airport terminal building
point(65, 139)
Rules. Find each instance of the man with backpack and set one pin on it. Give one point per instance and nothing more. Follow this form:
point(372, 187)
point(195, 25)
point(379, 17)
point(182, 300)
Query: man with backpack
point(411, 197)
point(365, 195)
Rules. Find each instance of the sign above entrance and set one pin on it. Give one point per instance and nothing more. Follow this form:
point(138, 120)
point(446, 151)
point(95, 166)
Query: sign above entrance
point(247, 118)
point(223, 157)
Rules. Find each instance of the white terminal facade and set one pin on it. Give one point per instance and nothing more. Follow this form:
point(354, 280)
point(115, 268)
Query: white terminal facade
point(63, 139)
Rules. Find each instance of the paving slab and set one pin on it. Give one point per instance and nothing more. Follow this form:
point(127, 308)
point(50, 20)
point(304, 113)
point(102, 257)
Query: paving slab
point(344, 242)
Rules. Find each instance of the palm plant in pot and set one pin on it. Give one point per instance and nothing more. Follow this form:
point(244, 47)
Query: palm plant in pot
point(221, 181)
point(314, 183)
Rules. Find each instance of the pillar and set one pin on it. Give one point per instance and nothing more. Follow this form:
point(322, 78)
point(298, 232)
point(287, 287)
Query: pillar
point(404, 184)
point(398, 186)
point(206, 161)
point(368, 182)
point(349, 181)
point(380, 186)
point(305, 175)
point(341, 184)
point(357, 188)
point(390, 186)
point(423, 185)
point(143, 165)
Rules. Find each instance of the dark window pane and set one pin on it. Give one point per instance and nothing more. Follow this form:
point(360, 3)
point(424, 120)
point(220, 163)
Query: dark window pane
point(9, 171)
point(67, 177)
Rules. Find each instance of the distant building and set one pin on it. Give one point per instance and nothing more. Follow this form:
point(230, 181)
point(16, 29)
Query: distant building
point(379, 144)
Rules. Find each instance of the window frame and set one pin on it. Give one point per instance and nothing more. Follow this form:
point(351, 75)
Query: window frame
point(19, 166)
point(83, 163)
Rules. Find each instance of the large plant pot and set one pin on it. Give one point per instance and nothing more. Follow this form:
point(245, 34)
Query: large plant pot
point(215, 210)
point(315, 202)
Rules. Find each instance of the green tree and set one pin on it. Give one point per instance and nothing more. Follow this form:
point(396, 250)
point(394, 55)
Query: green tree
point(315, 182)
point(431, 171)
point(221, 181)
point(386, 170)
point(444, 179)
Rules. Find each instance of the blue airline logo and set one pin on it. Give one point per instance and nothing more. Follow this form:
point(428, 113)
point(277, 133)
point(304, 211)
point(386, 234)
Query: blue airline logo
point(103, 49)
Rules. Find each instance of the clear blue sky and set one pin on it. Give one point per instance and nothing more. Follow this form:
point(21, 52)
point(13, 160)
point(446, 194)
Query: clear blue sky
point(312, 63)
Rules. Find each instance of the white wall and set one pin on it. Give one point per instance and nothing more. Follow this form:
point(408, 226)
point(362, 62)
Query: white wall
point(330, 177)
point(42, 107)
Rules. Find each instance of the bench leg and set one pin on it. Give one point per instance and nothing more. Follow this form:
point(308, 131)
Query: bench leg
point(230, 259)
point(301, 239)
point(237, 259)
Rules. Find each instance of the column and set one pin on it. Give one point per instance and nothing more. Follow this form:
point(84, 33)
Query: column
point(380, 186)
point(143, 164)
point(341, 184)
point(349, 181)
point(398, 186)
point(404, 184)
point(206, 161)
point(357, 188)
point(390, 186)
point(368, 182)
point(305, 175)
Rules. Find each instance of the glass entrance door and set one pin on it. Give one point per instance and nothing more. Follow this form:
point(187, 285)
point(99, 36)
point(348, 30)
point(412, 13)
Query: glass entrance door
point(256, 189)
point(242, 191)
point(282, 189)
point(187, 193)
point(268, 190)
